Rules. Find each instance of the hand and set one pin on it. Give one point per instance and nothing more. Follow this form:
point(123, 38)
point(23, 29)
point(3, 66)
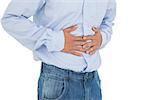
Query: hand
point(73, 44)
point(95, 43)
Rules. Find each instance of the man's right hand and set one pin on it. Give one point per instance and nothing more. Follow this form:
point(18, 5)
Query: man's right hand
point(73, 44)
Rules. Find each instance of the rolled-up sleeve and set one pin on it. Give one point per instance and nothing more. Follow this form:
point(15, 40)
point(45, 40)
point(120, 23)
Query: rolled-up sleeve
point(107, 23)
point(16, 22)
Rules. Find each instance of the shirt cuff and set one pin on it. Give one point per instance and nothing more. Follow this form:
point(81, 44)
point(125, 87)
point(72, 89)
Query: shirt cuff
point(57, 41)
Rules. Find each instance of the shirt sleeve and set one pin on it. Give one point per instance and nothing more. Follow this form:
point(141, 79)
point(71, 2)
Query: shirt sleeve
point(107, 23)
point(16, 22)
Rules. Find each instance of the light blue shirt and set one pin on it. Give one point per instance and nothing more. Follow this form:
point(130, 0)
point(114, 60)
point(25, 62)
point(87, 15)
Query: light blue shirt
point(44, 35)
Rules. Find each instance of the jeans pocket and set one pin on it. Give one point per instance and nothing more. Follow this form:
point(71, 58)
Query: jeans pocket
point(54, 88)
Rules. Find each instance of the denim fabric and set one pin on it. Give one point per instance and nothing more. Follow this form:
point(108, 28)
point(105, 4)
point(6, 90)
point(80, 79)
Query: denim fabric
point(60, 84)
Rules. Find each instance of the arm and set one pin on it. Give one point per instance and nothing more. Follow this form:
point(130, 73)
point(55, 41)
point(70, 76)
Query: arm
point(16, 22)
point(107, 23)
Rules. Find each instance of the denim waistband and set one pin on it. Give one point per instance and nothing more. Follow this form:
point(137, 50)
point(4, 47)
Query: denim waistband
point(64, 73)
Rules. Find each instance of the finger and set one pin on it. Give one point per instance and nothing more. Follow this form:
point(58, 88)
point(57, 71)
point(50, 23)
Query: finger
point(72, 28)
point(79, 48)
point(88, 37)
point(87, 45)
point(76, 53)
point(78, 38)
point(91, 49)
point(79, 43)
point(91, 53)
point(95, 29)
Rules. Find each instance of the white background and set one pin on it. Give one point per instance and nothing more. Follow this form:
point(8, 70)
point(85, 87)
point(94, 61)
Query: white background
point(125, 69)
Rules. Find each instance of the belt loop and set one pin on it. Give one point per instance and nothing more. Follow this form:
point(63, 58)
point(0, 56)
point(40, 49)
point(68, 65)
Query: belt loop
point(67, 76)
point(86, 76)
point(95, 73)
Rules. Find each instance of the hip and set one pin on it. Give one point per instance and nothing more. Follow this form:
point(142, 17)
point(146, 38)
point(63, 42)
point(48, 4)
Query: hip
point(59, 84)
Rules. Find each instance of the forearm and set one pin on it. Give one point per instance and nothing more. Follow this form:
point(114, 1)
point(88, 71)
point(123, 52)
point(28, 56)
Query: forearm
point(16, 22)
point(107, 23)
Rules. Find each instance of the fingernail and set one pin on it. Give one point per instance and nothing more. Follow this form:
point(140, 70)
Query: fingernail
point(95, 28)
point(76, 25)
point(84, 37)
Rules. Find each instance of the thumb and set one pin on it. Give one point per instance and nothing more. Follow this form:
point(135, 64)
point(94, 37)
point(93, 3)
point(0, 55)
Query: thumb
point(72, 28)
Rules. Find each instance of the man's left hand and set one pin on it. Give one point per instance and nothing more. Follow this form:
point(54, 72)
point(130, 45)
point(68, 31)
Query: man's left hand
point(96, 41)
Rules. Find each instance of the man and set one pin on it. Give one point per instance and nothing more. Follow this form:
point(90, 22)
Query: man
point(66, 36)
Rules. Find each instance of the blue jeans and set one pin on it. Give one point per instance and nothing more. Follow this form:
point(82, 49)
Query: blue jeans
point(60, 84)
